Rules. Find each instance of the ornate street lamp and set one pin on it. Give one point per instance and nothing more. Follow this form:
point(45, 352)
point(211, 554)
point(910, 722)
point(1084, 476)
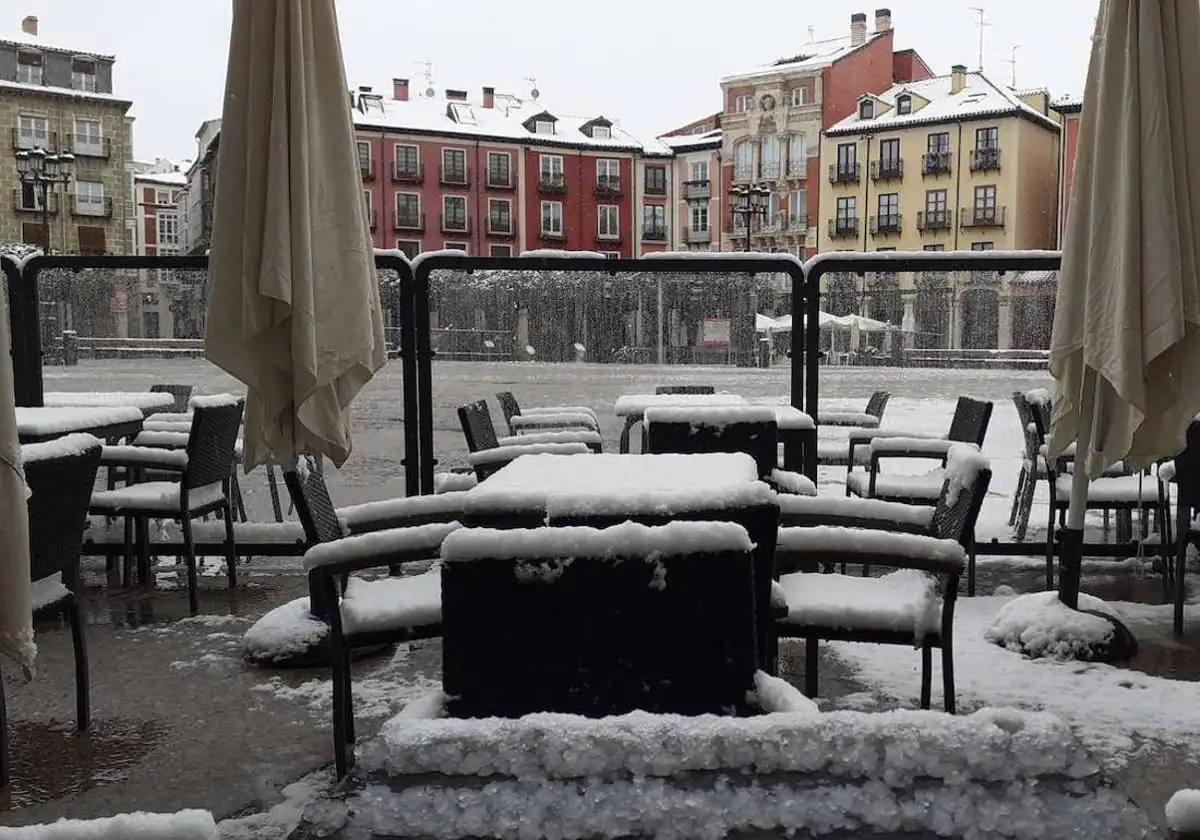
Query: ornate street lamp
point(44, 172)
point(749, 202)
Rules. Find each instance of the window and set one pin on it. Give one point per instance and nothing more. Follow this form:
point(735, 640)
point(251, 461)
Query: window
point(601, 132)
point(499, 169)
point(408, 247)
point(608, 224)
point(698, 170)
point(743, 161)
point(408, 210)
point(364, 158)
point(551, 169)
point(83, 75)
point(656, 180)
point(866, 110)
point(406, 160)
point(654, 221)
point(935, 247)
point(88, 139)
point(772, 215)
point(904, 104)
point(987, 138)
point(499, 215)
point(462, 113)
point(29, 67)
point(798, 208)
point(743, 102)
point(32, 131)
point(985, 204)
point(700, 218)
point(939, 143)
point(847, 156)
point(455, 246)
point(889, 211)
point(611, 255)
point(552, 218)
point(935, 201)
point(608, 174)
point(981, 246)
point(162, 197)
point(454, 166)
point(889, 154)
point(797, 155)
point(31, 198)
point(167, 228)
point(543, 127)
point(499, 250)
point(89, 198)
point(799, 96)
point(454, 212)
point(770, 156)
point(846, 220)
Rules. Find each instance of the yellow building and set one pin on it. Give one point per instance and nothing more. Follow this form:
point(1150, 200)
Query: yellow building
point(947, 163)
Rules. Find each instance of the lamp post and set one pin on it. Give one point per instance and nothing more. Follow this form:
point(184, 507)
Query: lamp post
point(44, 171)
point(749, 201)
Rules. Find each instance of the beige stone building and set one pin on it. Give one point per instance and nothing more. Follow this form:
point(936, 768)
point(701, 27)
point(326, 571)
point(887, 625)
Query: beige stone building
point(61, 99)
point(952, 162)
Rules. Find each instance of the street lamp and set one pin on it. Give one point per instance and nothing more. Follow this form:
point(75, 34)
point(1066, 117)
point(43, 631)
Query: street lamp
point(44, 171)
point(749, 202)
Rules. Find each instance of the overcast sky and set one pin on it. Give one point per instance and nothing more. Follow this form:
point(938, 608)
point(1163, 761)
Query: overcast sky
point(649, 65)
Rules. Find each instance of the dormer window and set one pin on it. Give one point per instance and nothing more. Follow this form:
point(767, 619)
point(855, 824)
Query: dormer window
point(83, 75)
point(462, 113)
point(369, 102)
point(904, 104)
point(866, 110)
point(543, 127)
point(601, 132)
point(29, 67)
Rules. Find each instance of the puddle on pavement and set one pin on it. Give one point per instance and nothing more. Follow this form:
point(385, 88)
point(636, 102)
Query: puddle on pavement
point(50, 760)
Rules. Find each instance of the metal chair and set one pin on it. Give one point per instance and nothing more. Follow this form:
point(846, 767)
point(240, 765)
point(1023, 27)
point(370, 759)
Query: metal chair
point(512, 409)
point(181, 393)
point(1185, 474)
point(685, 389)
point(1033, 466)
point(877, 403)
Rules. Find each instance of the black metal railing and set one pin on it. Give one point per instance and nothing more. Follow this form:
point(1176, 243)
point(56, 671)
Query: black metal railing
point(552, 184)
point(409, 221)
point(654, 233)
point(843, 228)
point(86, 206)
point(498, 226)
point(408, 174)
point(500, 180)
point(887, 169)
point(656, 188)
point(986, 159)
point(455, 176)
point(366, 168)
point(456, 224)
point(844, 173)
point(936, 163)
point(29, 140)
point(697, 190)
point(886, 224)
point(934, 220)
point(982, 217)
point(84, 145)
point(608, 187)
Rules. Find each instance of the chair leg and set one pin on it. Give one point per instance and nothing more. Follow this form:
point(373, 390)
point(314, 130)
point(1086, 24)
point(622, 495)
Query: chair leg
point(127, 557)
point(230, 546)
point(235, 490)
point(948, 674)
point(1018, 495)
point(142, 529)
point(274, 488)
point(1050, 549)
point(926, 674)
point(189, 556)
point(3, 737)
point(971, 567)
point(1026, 508)
point(83, 715)
point(339, 707)
point(348, 689)
point(810, 666)
point(1182, 516)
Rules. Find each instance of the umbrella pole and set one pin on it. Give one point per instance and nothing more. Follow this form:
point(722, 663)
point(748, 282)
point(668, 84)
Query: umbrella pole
point(1071, 554)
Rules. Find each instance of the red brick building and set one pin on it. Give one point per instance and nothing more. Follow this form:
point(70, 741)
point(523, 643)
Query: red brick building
point(1069, 110)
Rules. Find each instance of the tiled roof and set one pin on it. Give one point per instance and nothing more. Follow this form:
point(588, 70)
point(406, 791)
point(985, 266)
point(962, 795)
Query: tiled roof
point(1069, 102)
point(693, 142)
point(818, 57)
point(980, 97)
point(21, 39)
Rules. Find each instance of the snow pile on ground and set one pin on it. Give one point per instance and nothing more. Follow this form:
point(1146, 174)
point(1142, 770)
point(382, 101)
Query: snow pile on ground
point(283, 633)
point(1039, 624)
point(184, 825)
point(1183, 812)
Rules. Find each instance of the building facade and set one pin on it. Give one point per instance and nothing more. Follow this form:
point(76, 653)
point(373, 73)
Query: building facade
point(1069, 110)
point(61, 100)
point(196, 200)
point(947, 163)
point(699, 203)
point(158, 192)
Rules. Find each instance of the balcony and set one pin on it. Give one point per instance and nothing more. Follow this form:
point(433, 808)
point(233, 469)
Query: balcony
point(885, 225)
point(930, 220)
point(456, 225)
point(88, 206)
point(771, 171)
point(409, 221)
point(654, 233)
point(743, 173)
point(553, 235)
point(83, 145)
point(609, 237)
point(697, 190)
point(844, 173)
point(798, 171)
point(20, 205)
point(986, 159)
point(843, 228)
point(455, 176)
point(500, 181)
point(798, 223)
point(405, 174)
point(935, 163)
point(890, 169)
point(983, 217)
point(367, 169)
point(500, 228)
point(656, 188)
point(26, 140)
point(769, 227)
point(552, 185)
point(608, 187)
point(695, 235)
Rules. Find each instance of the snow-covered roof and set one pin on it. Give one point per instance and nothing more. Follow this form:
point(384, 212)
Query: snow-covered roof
point(1067, 103)
point(174, 179)
point(979, 97)
point(62, 91)
point(510, 120)
point(24, 39)
point(818, 56)
point(692, 142)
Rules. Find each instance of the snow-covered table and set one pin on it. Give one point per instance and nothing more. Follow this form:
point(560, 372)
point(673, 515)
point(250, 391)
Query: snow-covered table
point(112, 423)
point(147, 401)
point(633, 407)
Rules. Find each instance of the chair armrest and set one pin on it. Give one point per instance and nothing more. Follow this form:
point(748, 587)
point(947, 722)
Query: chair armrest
point(592, 439)
point(790, 483)
point(826, 544)
point(911, 447)
point(562, 420)
point(854, 512)
point(848, 418)
point(144, 456)
point(377, 549)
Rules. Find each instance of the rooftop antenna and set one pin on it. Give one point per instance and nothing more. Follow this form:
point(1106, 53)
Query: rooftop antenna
point(980, 11)
point(428, 74)
point(534, 93)
point(1013, 63)
point(812, 35)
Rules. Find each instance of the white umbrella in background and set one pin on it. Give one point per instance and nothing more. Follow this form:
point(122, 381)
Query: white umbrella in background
point(293, 303)
point(1126, 343)
point(765, 323)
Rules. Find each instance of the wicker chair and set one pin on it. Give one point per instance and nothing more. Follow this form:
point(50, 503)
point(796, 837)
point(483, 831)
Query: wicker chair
point(685, 389)
point(332, 591)
point(189, 483)
point(877, 403)
point(181, 393)
point(825, 606)
point(60, 484)
point(512, 409)
point(1033, 466)
point(1184, 473)
point(480, 432)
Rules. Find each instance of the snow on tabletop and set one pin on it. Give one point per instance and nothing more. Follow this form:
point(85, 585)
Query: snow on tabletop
point(793, 483)
point(924, 446)
point(503, 454)
point(283, 632)
point(568, 436)
point(562, 418)
point(369, 606)
point(156, 496)
point(560, 254)
point(213, 401)
point(709, 415)
point(828, 450)
point(449, 503)
point(46, 591)
point(835, 538)
point(383, 545)
point(790, 418)
point(628, 539)
point(849, 418)
point(192, 824)
point(1040, 624)
point(50, 421)
point(145, 400)
point(905, 600)
point(63, 447)
point(179, 439)
point(636, 404)
point(775, 695)
point(395, 253)
point(731, 496)
point(1183, 812)
point(146, 456)
point(453, 482)
point(919, 515)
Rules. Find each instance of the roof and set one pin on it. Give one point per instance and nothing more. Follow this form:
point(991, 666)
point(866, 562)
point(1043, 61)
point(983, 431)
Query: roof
point(979, 98)
point(504, 123)
point(174, 179)
point(819, 56)
point(50, 90)
point(692, 142)
point(22, 39)
point(1071, 103)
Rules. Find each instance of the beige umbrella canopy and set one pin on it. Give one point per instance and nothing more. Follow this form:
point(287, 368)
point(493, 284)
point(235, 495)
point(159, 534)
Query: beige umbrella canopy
point(294, 308)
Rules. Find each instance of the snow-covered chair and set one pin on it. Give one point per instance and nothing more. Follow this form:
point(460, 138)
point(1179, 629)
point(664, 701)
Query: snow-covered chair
point(488, 461)
point(685, 389)
point(904, 607)
point(868, 418)
point(546, 417)
point(480, 432)
point(1184, 473)
point(1033, 465)
point(182, 394)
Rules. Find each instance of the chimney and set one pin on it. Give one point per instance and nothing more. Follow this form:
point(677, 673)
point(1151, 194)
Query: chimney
point(400, 90)
point(858, 29)
point(29, 25)
point(958, 77)
point(489, 97)
point(883, 20)
point(456, 95)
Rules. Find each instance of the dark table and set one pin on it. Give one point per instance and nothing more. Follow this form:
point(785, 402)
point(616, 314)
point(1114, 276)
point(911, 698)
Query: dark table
point(111, 423)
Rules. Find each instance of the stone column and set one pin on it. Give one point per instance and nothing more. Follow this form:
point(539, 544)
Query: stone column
point(1004, 323)
point(956, 319)
point(522, 332)
point(166, 318)
point(909, 322)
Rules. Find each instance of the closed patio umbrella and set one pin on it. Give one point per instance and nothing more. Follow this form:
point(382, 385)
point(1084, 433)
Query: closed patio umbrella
point(1126, 343)
point(294, 308)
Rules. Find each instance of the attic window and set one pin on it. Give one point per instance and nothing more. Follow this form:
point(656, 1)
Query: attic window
point(368, 102)
point(904, 104)
point(543, 127)
point(462, 114)
point(601, 132)
point(83, 74)
point(866, 110)
point(29, 67)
